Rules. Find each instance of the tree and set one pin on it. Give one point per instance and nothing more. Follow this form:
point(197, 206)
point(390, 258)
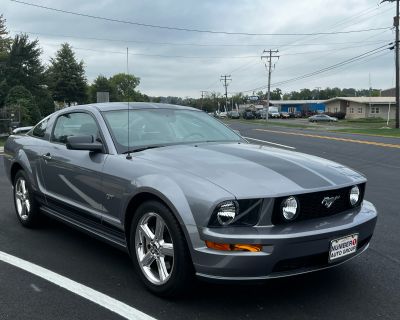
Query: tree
point(22, 104)
point(276, 94)
point(23, 66)
point(66, 77)
point(102, 84)
point(125, 85)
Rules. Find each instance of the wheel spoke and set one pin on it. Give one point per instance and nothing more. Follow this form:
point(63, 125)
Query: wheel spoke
point(145, 230)
point(18, 195)
point(23, 186)
point(27, 206)
point(162, 268)
point(159, 233)
point(167, 249)
point(147, 260)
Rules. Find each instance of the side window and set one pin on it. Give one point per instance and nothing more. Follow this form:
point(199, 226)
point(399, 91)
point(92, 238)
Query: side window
point(40, 129)
point(74, 124)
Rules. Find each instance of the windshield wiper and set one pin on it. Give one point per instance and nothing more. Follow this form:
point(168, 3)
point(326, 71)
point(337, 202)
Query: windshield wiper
point(143, 148)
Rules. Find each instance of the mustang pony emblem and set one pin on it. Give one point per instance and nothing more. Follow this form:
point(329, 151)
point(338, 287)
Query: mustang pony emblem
point(328, 201)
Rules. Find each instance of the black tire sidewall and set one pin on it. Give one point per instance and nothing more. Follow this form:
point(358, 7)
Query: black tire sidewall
point(182, 270)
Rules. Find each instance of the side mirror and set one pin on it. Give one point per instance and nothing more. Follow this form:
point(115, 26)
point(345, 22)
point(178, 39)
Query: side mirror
point(84, 143)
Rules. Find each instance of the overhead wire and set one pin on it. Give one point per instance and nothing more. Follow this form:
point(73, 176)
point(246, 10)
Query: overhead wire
point(91, 16)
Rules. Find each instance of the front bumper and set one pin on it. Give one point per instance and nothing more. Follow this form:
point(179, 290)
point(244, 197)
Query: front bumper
point(287, 250)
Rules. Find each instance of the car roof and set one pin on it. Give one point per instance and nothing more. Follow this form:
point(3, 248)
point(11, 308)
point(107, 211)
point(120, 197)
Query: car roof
point(113, 106)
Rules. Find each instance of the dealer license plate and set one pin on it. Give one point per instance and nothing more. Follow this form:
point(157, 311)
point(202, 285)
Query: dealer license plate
point(342, 247)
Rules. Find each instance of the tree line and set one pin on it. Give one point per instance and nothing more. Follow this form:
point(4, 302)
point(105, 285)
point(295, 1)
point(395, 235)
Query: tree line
point(31, 90)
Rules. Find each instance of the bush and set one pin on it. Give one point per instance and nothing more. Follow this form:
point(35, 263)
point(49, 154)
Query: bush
point(339, 115)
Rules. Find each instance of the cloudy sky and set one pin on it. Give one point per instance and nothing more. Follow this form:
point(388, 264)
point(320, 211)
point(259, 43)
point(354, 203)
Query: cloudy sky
point(181, 63)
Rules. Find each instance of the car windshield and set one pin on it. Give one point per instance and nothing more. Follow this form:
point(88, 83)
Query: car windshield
point(159, 127)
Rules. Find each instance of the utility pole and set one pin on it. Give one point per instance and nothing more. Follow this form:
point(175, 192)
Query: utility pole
point(226, 79)
point(396, 25)
point(202, 96)
point(268, 65)
point(318, 88)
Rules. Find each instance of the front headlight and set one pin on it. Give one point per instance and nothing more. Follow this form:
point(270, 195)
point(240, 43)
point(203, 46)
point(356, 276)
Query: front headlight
point(354, 196)
point(236, 213)
point(290, 208)
point(227, 212)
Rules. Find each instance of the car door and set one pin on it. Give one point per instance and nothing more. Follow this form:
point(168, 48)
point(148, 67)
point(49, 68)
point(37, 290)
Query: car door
point(73, 178)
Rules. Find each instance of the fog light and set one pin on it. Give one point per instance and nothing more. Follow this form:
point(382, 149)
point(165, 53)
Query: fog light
point(354, 195)
point(227, 212)
point(234, 247)
point(289, 208)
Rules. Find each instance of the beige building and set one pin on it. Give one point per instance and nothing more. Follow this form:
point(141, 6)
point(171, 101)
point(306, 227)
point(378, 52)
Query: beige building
point(363, 107)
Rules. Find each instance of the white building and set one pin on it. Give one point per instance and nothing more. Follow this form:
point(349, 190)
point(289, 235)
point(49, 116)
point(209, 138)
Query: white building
point(363, 107)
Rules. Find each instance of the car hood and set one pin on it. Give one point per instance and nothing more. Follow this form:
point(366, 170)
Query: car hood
point(248, 171)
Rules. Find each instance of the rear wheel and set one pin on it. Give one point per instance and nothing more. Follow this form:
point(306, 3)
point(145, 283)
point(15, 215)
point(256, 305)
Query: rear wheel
point(25, 204)
point(159, 250)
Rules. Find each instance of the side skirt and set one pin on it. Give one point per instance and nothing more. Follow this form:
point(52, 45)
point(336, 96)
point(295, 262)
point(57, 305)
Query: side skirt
point(92, 228)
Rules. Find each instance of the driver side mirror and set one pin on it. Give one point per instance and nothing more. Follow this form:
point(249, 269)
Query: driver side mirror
point(84, 143)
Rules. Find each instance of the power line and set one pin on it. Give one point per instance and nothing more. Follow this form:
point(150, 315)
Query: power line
point(190, 29)
point(163, 55)
point(191, 44)
point(337, 65)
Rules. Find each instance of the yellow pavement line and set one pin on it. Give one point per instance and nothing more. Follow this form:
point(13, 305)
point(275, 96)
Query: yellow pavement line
point(380, 144)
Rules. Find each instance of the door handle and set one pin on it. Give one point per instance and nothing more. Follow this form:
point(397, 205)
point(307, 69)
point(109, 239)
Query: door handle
point(46, 156)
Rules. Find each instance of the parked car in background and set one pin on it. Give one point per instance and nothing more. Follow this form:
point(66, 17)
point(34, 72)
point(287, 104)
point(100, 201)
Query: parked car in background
point(322, 118)
point(222, 114)
point(233, 115)
point(161, 182)
point(247, 114)
point(285, 115)
point(274, 114)
point(295, 114)
point(21, 130)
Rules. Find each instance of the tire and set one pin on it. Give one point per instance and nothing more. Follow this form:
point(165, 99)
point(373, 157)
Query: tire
point(26, 207)
point(155, 249)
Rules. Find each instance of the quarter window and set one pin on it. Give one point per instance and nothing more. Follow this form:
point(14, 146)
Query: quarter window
point(74, 124)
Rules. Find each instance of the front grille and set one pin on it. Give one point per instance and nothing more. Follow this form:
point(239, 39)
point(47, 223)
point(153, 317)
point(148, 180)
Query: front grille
point(310, 262)
point(311, 206)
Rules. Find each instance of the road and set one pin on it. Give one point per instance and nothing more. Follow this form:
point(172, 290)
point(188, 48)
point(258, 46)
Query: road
point(365, 288)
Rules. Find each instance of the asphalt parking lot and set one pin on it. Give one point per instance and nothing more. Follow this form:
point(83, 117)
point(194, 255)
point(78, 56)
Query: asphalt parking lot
point(365, 288)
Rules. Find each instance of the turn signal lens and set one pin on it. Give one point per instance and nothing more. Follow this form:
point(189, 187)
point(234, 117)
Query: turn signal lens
point(234, 247)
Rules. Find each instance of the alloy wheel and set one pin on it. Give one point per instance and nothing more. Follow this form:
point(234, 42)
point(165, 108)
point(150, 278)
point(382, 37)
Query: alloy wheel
point(22, 201)
point(154, 248)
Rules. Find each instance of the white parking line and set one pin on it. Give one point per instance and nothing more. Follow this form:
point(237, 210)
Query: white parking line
point(273, 143)
point(97, 297)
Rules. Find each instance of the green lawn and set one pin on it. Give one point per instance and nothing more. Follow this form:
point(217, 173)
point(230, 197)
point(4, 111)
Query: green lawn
point(267, 123)
point(368, 123)
point(2, 141)
point(394, 133)
point(369, 126)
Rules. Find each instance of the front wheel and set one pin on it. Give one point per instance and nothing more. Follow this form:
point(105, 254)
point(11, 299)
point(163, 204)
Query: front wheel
point(25, 204)
point(159, 250)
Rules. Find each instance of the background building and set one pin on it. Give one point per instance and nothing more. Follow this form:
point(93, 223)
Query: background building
point(363, 107)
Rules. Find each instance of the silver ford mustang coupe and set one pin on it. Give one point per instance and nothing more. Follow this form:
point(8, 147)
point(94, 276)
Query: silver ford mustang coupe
point(185, 195)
